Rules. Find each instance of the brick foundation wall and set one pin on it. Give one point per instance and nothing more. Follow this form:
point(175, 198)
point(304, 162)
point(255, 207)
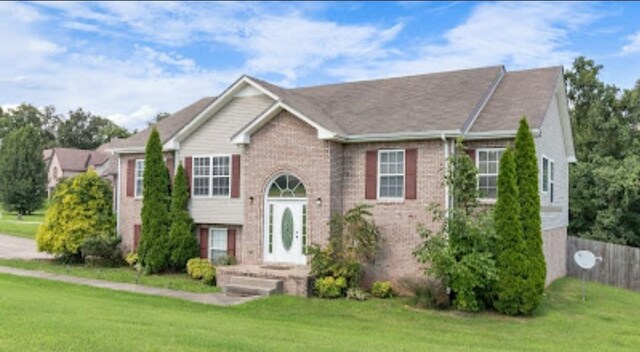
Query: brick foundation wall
point(555, 253)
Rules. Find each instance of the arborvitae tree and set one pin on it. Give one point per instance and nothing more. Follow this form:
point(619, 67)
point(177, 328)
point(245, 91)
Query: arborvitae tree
point(154, 250)
point(510, 287)
point(23, 175)
point(80, 209)
point(527, 176)
point(184, 245)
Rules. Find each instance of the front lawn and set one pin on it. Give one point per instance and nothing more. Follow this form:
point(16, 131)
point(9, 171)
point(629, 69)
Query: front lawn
point(120, 274)
point(45, 315)
point(26, 228)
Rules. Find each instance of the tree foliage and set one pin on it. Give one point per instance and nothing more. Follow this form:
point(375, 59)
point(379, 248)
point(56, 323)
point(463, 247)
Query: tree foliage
point(79, 210)
point(603, 195)
point(511, 287)
point(526, 164)
point(353, 242)
point(154, 248)
point(461, 252)
point(45, 121)
point(84, 130)
point(184, 245)
point(23, 175)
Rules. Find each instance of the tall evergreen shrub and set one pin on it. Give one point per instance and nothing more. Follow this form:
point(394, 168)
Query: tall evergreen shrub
point(184, 245)
point(527, 176)
point(154, 251)
point(510, 289)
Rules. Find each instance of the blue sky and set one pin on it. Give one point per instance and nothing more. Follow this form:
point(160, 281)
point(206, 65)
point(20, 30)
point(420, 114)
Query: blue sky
point(128, 61)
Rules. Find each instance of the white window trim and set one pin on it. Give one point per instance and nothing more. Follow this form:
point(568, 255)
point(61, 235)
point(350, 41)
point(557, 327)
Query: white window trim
point(210, 239)
point(550, 179)
point(404, 176)
point(478, 150)
point(136, 178)
point(542, 183)
point(211, 177)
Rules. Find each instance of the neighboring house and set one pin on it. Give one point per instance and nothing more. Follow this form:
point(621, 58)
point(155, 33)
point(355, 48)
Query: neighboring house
point(261, 158)
point(69, 162)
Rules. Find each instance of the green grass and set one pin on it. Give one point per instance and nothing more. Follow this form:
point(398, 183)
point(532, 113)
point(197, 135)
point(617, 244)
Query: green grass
point(180, 282)
point(40, 315)
point(26, 228)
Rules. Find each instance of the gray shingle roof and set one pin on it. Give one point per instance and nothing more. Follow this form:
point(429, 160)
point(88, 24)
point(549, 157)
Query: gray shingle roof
point(433, 102)
point(520, 93)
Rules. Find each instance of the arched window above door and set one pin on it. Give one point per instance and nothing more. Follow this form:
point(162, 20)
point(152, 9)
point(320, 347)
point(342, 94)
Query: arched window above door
point(286, 186)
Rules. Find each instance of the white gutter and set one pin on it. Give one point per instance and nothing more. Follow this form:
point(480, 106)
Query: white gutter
point(402, 136)
point(446, 170)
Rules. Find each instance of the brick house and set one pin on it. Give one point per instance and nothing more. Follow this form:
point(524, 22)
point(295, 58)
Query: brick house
point(68, 162)
point(268, 165)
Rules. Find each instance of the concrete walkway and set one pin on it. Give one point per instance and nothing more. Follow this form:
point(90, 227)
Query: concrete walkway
point(12, 247)
point(218, 299)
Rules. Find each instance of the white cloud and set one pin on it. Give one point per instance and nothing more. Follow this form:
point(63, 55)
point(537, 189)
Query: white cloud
point(633, 45)
point(518, 34)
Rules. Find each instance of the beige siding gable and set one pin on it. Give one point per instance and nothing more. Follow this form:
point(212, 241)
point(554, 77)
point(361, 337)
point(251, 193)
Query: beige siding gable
point(212, 138)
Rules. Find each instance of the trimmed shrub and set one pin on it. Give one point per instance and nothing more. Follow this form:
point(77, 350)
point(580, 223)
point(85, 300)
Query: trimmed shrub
point(154, 249)
point(510, 288)
point(330, 287)
point(104, 251)
point(79, 209)
point(358, 294)
point(428, 292)
point(184, 244)
point(209, 276)
point(382, 289)
point(132, 258)
point(527, 175)
point(197, 268)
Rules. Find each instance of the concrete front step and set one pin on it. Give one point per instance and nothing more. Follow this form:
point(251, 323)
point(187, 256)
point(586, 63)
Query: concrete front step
point(251, 286)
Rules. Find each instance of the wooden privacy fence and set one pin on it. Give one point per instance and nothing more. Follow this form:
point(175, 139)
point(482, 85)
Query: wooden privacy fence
point(620, 265)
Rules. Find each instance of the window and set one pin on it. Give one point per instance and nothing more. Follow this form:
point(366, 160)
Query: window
point(391, 174)
point(212, 176)
point(139, 173)
point(488, 162)
point(201, 176)
point(551, 180)
point(545, 174)
point(217, 244)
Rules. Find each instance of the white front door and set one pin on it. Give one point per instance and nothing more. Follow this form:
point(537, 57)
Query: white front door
point(285, 231)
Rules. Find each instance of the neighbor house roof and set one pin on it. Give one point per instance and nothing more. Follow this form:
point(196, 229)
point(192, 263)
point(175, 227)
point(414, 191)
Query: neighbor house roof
point(79, 160)
point(166, 127)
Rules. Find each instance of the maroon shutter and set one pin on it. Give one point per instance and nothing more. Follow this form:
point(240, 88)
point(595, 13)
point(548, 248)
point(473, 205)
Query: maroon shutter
point(411, 169)
point(472, 154)
point(204, 242)
point(136, 237)
point(235, 176)
point(131, 177)
point(231, 242)
point(171, 168)
point(188, 162)
point(371, 175)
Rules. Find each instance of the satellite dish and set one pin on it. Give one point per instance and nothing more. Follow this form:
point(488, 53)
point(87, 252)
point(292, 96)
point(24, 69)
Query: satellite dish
point(585, 259)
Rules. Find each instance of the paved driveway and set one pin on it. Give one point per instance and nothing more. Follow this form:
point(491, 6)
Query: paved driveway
point(19, 248)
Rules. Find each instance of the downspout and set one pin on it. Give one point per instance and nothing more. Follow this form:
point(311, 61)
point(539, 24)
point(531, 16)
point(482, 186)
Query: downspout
point(117, 183)
point(446, 184)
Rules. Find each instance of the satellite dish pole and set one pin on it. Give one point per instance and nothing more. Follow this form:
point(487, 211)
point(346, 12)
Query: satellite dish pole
point(586, 260)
